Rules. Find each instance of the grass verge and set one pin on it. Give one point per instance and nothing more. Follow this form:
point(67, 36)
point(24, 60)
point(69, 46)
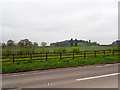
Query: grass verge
point(50, 64)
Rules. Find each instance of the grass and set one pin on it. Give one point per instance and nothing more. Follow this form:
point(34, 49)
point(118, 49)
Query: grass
point(82, 48)
point(50, 64)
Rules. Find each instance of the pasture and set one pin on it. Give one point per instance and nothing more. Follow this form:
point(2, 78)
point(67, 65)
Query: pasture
point(16, 59)
point(32, 49)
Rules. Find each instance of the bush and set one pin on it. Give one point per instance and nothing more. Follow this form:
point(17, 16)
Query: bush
point(43, 50)
point(115, 48)
point(21, 51)
point(61, 50)
point(32, 50)
point(76, 49)
point(25, 50)
point(7, 51)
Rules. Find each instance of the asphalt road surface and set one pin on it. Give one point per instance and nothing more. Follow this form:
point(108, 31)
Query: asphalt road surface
point(93, 76)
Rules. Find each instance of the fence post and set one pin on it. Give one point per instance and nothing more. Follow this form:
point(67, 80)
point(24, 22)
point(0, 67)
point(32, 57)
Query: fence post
point(117, 51)
point(73, 55)
point(95, 53)
point(84, 54)
point(60, 55)
point(13, 58)
point(30, 56)
point(46, 56)
point(104, 52)
point(113, 53)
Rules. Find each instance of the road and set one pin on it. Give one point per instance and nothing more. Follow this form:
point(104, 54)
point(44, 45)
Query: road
point(92, 76)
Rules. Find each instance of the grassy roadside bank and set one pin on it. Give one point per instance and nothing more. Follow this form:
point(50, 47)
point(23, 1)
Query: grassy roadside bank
point(50, 64)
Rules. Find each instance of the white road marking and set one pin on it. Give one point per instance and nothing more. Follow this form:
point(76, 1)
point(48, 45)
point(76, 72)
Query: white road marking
point(15, 89)
point(97, 76)
point(48, 84)
point(99, 66)
point(16, 74)
point(108, 65)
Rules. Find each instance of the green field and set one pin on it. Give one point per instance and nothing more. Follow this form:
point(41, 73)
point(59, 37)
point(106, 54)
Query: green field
point(33, 64)
point(82, 47)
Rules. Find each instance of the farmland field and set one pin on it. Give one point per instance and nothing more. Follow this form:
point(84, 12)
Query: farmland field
point(34, 58)
point(82, 47)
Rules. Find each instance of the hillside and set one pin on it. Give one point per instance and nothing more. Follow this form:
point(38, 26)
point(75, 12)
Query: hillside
point(74, 43)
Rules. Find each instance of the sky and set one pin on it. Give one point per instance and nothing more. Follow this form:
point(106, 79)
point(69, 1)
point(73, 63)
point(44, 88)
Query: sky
point(58, 20)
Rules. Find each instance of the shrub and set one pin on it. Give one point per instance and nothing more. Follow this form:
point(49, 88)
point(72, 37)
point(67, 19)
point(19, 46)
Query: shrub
point(43, 50)
point(54, 50)
point(7, 51)
point(61, 50)
point(115, 48)
point(26, 50)
point(75, 49)
point(21, 51)
point(32, 50)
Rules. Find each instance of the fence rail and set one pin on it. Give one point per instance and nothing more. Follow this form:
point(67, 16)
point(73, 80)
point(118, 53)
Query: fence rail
point(56, 55)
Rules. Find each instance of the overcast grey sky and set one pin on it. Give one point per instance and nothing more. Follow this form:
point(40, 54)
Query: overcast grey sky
point(57, 20)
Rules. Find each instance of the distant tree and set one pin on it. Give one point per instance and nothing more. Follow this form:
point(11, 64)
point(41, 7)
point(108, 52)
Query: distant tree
point(35, 44)
point(10, 43)
point(71, 42)
point(43, 44)
point(76, 42)
point(3, 45)
point(89, 41)
point(21, 43)
point(60, 44)
point(25, 43)
point(117, 42)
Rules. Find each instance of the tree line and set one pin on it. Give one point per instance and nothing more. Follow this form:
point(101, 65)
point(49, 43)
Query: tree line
point(23, 43)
